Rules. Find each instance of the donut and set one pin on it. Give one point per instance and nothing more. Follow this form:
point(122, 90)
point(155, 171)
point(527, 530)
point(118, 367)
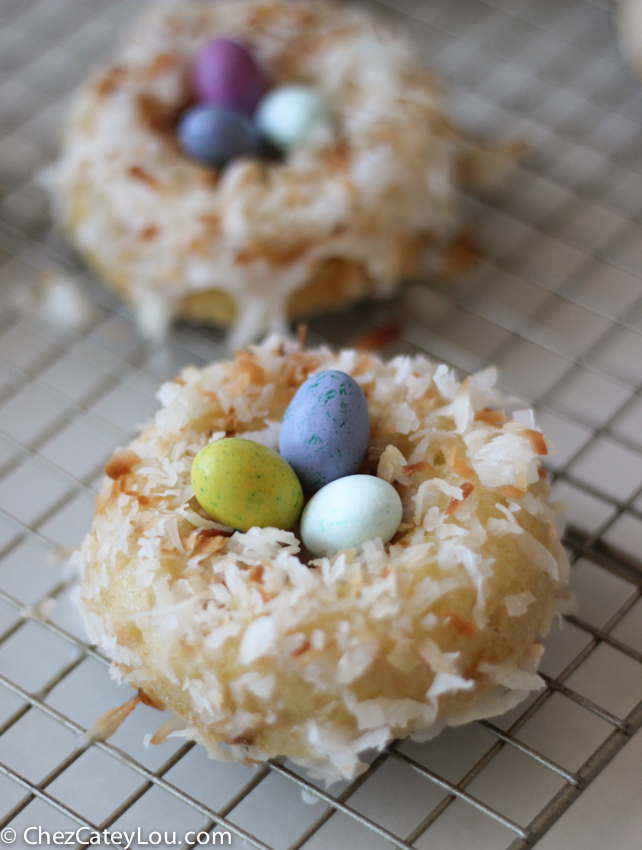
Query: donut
point(260, 651)
point(259, 241)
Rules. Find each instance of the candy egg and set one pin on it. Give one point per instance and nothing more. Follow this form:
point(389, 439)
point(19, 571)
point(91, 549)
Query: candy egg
point(293, 115)
point(349, 511)
point(225, 74)
point(244, 484)
point(326, 429)
point(213, 135)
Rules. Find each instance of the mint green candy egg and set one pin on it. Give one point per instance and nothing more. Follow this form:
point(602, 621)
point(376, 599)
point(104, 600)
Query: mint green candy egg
point(349, 511)
point(293, 115)
point(243, 484)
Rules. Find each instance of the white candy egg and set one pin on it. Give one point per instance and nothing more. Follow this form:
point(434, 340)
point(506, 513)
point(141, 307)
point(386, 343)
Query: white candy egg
point(294, 115)
point(349, 511)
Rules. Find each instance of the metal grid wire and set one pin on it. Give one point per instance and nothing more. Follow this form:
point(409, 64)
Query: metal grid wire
point(556, 302)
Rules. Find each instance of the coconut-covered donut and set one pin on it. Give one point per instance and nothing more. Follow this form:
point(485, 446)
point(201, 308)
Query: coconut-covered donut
point(261, 652)
point(259, 241)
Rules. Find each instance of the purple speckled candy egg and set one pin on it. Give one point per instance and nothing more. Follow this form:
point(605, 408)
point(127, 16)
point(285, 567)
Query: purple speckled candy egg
point(225, 74)
point(214, 135)
point(326, 429)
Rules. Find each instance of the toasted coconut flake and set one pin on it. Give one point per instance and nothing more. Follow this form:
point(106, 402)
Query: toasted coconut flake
point(507, 459)
point(413, 468)
point(510, 492)
point(249, 364)
point(121, 463)
point(491, 417)
point(109, 722)
point(140, 173)
point(454, 504)
point(174, 724)
point(537, 441)
point(147, 700)
point(450, 448)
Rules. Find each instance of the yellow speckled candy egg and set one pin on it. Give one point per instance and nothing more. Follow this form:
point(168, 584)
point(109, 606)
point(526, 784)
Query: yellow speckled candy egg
point(244, 484)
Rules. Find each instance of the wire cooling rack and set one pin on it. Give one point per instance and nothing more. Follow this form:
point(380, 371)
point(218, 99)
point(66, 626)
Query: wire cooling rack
point(556, 302)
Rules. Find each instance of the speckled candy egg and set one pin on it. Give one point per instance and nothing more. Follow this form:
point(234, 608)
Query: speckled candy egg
point(325, 430)
point(213, 135)
point(294, 115)
point(244, 484)
point(225, 74)
point(348, 512)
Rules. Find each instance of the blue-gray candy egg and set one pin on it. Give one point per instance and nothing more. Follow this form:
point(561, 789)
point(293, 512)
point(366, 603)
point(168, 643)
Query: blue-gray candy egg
point(325, 430)
point(214, 134)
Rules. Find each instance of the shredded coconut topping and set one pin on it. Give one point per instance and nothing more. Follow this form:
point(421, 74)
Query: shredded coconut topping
point(161, 227)
point(263, 654)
